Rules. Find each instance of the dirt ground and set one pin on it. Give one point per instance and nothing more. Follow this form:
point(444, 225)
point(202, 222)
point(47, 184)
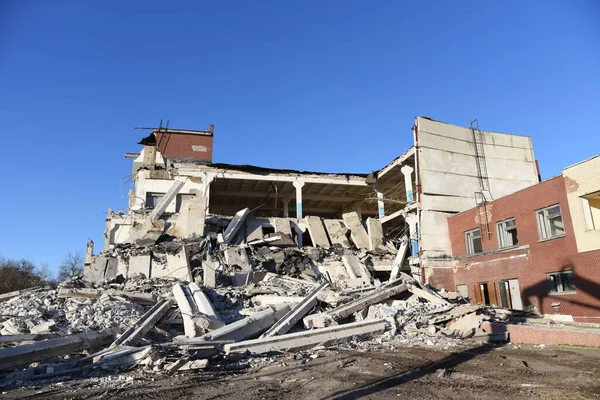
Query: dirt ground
point(463, 372)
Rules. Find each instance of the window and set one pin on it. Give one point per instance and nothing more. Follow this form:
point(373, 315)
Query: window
point(507, 233)
point(591, 211)
point(550, 223)
point(561, 282)
point(180, 199)
point(152, 199)
point(473, 240)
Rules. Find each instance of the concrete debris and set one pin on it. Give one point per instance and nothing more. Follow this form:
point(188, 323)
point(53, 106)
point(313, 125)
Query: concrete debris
point(180, 305)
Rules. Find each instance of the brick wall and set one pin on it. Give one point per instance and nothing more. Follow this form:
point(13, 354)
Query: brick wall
point(528, 265)
point(184, 146)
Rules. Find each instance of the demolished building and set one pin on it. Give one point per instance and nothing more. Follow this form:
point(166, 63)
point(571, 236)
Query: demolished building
point(449, 169)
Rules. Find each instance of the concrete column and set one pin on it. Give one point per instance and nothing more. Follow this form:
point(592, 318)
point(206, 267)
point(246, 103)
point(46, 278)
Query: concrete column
point(207, 179)
point(380, 205)
point(407, 170)
point(298, 185)
point(286, 207)
point(413, 221)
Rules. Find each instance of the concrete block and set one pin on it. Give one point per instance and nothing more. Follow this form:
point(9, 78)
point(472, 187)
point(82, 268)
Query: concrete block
point(158, 266)
point(317, 232)
point(209, 276)
point(238, 256)
point(303, 340)
point(235, 225)
point(337, 314)
point(375, 231)
point(357, 230)
point(426, 295)
point(290, 319)
point(337, 232)
point(270, 300)
point(139, 265)
point(43, 327)
point(282, 225)
point(95, 270)
point(195, 215)
point(179, 265)
point(122, 266)
point(355, 268)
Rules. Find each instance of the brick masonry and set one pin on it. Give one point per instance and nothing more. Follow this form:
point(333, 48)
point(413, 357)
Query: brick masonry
point(531, 265)
point(184, 146)
point(545, 335)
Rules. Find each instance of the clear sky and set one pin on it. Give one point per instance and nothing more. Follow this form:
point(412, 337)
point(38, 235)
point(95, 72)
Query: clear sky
point(315, 85)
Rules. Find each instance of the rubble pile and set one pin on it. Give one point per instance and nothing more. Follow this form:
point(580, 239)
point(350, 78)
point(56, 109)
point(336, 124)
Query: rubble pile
point(197, 303)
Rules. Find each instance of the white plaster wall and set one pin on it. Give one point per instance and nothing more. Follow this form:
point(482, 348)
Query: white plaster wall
point(582, 179)
point(145, 185)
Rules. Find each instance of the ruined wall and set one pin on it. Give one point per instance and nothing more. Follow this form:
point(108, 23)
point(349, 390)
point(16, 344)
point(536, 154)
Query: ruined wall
point(529, 265)
point(583, 179)
point(144, 184)
point(448, 177)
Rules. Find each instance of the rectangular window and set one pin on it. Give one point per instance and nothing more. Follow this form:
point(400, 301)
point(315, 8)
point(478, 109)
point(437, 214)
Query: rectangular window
point(561, 282)
point(180, 199)
point(507, 233)
point(152, 199)
point(473, 240)
point(550, 222)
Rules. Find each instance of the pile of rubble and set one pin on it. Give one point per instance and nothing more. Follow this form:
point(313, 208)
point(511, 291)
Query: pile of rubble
point(219, 300)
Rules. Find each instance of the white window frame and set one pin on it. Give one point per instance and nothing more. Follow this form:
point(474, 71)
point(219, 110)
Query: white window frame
point(502, 231)
point(469, 241)
point(543, 218)
point(556, 277)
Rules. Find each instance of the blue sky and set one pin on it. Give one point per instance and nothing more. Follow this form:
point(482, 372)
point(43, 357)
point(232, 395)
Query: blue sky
point(317, 85)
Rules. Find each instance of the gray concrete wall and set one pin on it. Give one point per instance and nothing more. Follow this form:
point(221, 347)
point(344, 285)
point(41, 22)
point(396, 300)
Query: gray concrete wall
point(448, 175)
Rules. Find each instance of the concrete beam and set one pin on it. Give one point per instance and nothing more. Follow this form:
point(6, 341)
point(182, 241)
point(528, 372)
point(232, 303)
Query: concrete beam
point(314, 197)
point(342, 180)
point(205, 307)
point(245, 328)
point(235, 225)
point(302, 340)
point(167, 199)
point(399, 260)
point(11, 357)
point(355, 268)
point(290, 319)
point(357, 230)
point(132, 336)
point(377, 296)
point(187, 310)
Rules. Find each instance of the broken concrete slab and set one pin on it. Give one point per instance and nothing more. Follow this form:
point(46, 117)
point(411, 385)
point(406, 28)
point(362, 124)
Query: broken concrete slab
point(357, 230)
point(290, 319)
point(11, 357)
point(373, 297)
point(237, 256)
point(209, 273)
point(375, 232)
point(95, 270)
point(84, 293)
point(317, 232)
point(270, 300)
point(235, 224)
point(245, 328)
point(139, 265)
point(179, 265)
point(355, 267)
point(337, 232)
point(467, 325)
point(111, 268)
point(282, 225)
point(455, 313)
point(195, 216)
point(43, 327)
point(307, 339)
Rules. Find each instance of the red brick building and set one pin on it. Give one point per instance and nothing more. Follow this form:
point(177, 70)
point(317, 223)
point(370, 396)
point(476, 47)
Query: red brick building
point(523, 253)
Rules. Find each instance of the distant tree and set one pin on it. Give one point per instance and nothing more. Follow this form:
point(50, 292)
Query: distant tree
point(70, 266)
point(22, 274)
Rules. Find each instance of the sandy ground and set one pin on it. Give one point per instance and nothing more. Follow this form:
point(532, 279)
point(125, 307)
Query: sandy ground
point(463, 372)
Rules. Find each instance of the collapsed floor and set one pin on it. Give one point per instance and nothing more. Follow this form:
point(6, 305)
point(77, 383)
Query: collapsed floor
point(218, 303)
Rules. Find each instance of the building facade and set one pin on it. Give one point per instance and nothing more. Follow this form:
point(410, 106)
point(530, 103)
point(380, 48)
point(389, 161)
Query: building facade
point(536, 248)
